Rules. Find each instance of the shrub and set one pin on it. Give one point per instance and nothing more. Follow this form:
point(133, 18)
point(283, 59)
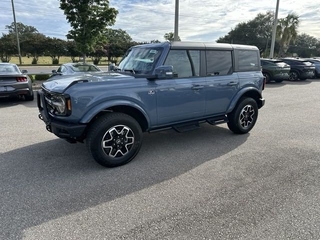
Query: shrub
point(41, 77)
point(31, 77)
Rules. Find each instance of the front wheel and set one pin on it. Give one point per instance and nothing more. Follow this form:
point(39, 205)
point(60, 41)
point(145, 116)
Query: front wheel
point(293, 76)
point(114, 139)
point(244, 116)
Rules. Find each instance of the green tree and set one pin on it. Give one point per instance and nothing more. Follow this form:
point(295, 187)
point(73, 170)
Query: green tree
point(304, 46)
point(21, 28)
point(8, 47)
point(118, 43)
point(287, 32)
point(170, 37)
point(35, 45)
point(255, 32)
point(24, 33)
point(55, 49)
point(88, 19)
point(72, 50)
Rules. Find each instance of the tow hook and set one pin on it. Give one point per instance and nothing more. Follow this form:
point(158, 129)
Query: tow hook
point(48, 128)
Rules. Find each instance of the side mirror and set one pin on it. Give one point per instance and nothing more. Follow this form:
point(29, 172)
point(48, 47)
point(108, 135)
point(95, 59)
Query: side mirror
point(164, 72)
point(24, 71)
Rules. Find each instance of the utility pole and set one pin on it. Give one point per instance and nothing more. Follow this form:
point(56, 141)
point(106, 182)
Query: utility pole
point(176, 21)
point(17, 34)
point(274, 30)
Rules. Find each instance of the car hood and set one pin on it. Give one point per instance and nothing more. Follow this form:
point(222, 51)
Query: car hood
point(61, 84)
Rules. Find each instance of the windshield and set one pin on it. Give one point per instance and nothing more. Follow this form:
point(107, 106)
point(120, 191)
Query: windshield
point(84, 68)
point(140, 60)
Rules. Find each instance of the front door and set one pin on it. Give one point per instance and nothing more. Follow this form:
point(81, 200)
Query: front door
point(183, 97)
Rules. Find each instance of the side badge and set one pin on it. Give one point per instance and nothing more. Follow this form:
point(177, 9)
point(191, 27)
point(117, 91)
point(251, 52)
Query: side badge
point(151, 92)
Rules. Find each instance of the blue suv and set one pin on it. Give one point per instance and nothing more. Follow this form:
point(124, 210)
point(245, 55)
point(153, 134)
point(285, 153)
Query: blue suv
point(156, 86)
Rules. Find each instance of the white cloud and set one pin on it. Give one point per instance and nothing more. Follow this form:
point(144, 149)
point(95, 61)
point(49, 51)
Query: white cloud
point(146, 20)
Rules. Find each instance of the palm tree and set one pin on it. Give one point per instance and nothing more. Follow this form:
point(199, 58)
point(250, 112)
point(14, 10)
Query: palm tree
point(287, 32)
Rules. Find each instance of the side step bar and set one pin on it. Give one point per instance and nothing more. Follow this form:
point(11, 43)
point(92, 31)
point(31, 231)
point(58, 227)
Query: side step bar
point(186, 127)
point(218, 120)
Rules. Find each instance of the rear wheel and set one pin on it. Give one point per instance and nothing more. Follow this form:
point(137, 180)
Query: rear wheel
point(29, 97)
point(114, 139)
point(244, 116)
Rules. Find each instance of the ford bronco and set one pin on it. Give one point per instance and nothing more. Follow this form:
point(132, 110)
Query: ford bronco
point(156, 86)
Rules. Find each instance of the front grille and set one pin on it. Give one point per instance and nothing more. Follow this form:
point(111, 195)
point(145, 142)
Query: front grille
point(48, 104)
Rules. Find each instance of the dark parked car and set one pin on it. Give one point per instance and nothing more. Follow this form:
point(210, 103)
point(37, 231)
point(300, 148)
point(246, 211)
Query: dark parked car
point(300, 68)
point(74, 69)
point(316, 62)
point(13, 82)
point(274, 69)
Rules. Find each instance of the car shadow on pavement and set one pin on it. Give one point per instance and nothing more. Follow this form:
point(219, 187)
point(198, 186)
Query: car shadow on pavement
point(304, 82)
point(13, 101)
point(52, 179)
point(275, 85)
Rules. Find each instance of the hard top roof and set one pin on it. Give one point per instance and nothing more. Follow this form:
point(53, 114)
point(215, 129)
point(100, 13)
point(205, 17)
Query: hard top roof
point(199, 45)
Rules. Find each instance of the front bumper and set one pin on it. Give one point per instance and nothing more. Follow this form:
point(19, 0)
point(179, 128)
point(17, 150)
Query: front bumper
point(261, 102)
point(59, 128)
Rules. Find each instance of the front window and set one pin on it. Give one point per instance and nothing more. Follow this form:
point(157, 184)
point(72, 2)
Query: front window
point(140, 60)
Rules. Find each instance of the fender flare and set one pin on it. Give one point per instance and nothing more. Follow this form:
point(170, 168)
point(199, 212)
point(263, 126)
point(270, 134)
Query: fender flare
point(249, 91)
point(88, 116)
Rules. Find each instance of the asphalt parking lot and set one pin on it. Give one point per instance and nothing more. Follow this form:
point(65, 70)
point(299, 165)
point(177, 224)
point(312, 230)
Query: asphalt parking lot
point(202, 184)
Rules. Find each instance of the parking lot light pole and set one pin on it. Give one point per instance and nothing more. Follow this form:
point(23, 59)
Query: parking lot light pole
point(274, 30)
point(176, 21)
point(17, 34)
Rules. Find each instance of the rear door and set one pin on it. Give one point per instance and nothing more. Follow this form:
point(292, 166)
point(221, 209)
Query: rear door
point(222, 82)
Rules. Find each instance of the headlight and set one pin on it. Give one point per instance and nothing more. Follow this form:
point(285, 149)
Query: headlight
point(58, 104)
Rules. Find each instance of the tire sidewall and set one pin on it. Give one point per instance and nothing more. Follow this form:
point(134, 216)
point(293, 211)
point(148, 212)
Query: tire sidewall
point(234, 121)
point(99, 131)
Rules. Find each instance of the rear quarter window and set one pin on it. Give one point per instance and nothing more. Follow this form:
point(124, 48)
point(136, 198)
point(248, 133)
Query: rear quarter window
point(248, 60)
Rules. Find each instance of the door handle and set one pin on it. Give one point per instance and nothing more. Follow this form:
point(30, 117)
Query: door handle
point(197, 87)
point(232, 83)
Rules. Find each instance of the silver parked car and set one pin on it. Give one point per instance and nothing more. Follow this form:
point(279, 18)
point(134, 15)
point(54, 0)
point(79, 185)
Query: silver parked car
point(14, 82)
point(72, 69)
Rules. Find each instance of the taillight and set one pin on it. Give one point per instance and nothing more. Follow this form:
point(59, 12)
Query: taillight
point(21, 79)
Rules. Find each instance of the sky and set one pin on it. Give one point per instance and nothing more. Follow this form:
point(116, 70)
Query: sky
point(146, 20)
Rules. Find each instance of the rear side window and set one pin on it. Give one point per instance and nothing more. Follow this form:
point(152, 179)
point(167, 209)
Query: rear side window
point(248, 60)
point(219, 62)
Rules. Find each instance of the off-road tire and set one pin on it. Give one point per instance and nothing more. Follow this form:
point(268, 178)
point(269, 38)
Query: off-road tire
point(114, 139)
point(244, 116)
